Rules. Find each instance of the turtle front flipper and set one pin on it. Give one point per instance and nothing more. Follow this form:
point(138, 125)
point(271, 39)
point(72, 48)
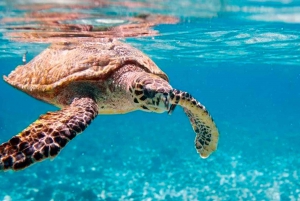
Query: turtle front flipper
point(48, 135)
point(207, 134)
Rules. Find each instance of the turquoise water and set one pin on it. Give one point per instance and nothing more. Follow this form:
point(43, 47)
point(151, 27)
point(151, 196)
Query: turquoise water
point(241, 60)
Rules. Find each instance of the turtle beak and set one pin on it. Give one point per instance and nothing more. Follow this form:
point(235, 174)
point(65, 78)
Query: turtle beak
point(166, 100)
point(172, 106)
point(171, 109)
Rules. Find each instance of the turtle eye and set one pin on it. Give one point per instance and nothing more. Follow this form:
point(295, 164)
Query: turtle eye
point(148, 93)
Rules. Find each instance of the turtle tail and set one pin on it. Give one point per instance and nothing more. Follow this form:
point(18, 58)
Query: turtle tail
point(207, 134)
point(48, 135)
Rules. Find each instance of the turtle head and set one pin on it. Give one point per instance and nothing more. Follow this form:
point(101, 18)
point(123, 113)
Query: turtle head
point(151, 93)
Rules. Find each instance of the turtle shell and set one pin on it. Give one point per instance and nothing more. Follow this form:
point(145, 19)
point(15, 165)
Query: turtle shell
point(63, 63)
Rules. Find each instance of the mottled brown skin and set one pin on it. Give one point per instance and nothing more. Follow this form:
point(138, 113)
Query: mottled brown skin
point(48, 135)
point(84, 80)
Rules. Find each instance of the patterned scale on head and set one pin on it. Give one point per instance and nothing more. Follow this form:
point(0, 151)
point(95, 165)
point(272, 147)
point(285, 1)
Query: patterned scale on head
point(103, 77)
point(150, 93)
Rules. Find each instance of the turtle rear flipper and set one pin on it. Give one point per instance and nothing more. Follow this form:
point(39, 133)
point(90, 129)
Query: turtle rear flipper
point(48, 135)
point(207, 134)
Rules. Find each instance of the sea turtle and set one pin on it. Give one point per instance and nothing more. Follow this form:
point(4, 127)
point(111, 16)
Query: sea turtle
point(91, 78)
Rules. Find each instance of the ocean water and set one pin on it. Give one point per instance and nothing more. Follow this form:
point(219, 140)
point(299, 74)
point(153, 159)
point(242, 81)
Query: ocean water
point(239, 58)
